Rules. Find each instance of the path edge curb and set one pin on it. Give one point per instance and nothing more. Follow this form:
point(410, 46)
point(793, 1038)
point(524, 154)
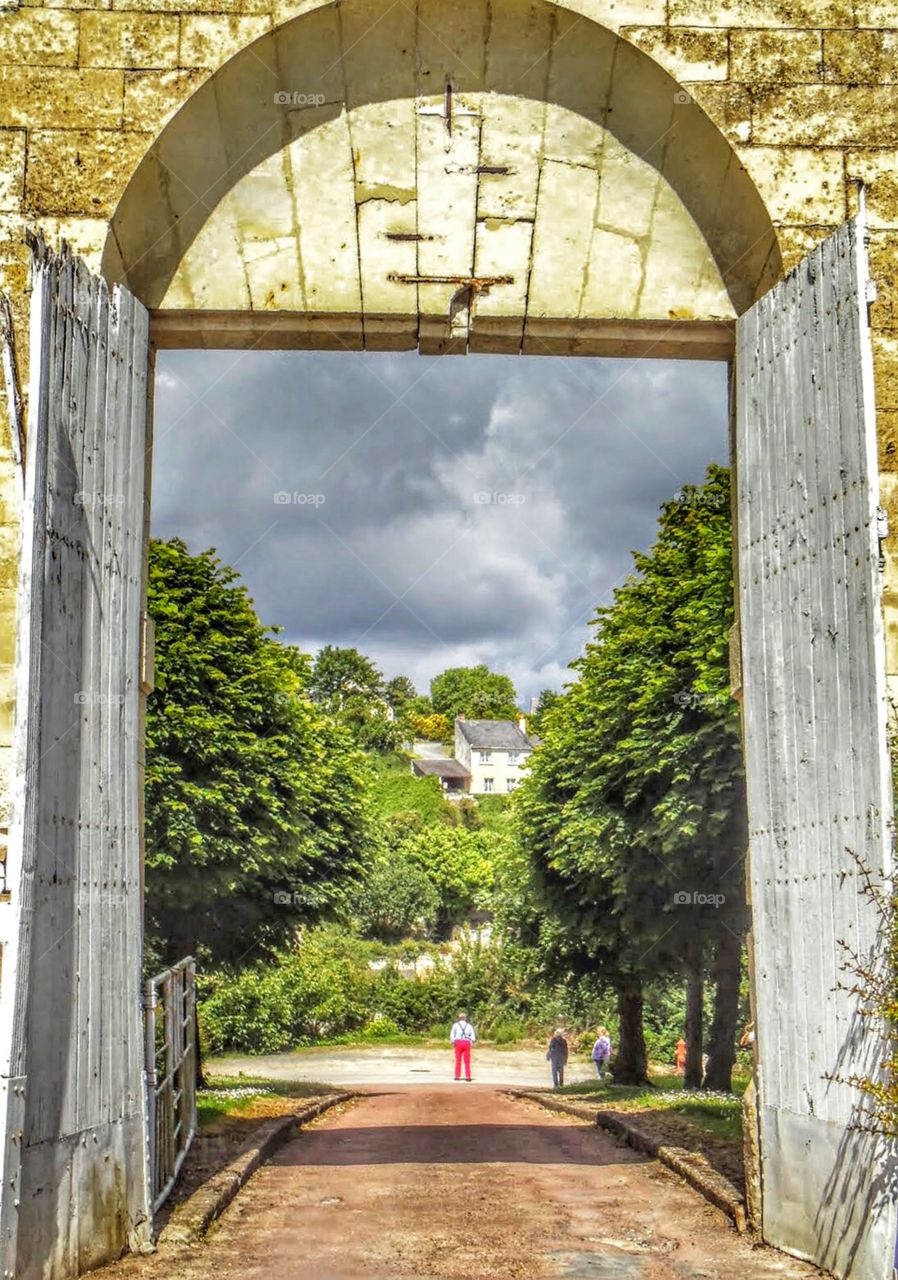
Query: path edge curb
point(192, 1219)
point(713, 1186)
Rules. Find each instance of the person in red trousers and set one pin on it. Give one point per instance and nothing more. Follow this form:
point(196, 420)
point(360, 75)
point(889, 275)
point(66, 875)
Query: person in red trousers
point(462, 1037)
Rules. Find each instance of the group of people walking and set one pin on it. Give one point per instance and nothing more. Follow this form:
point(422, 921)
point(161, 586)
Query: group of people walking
point(463, 1036)
point(559, 1051)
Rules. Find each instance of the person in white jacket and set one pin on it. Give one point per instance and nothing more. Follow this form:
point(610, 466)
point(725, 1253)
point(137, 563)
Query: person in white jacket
point(462, 1036)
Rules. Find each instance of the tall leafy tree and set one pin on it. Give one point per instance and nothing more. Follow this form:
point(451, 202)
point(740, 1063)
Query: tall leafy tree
point(634, 816)
point(475, 692)
point(256, 816)
point(341, 676)
point(399, 692)
point(350, 687)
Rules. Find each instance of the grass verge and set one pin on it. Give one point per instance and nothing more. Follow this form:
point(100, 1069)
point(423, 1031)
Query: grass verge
point(717, 1114)
point(239, 1095)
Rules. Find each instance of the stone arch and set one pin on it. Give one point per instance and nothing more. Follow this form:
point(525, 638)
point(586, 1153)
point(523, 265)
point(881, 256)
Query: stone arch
point(328, 120)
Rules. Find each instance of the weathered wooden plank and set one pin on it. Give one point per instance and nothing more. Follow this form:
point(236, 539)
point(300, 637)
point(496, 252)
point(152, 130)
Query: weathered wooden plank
point(817, 762)
point(74, 1190)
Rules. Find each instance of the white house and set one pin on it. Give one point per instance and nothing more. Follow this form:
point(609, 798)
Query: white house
point(494, 752)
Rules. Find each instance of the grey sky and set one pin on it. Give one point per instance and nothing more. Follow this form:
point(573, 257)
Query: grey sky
point(441, 511)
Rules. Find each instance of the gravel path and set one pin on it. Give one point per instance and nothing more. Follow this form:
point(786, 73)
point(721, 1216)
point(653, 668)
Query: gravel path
point(392, 1064)
point(463, 1183)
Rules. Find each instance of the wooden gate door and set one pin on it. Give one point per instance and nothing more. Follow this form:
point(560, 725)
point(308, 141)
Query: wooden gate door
point(819, 787)
point(71, 1055)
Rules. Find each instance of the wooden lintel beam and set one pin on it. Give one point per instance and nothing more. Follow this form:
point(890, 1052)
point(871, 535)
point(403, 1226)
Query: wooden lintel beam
point(295, 330)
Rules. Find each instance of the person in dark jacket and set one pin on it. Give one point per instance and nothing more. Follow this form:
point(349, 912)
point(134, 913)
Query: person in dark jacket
point(557, 1055)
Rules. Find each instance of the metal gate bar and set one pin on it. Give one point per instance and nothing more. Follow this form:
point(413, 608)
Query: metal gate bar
point(170, 1047)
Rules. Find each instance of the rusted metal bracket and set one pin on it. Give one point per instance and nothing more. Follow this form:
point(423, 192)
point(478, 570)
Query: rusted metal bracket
point(476, 283)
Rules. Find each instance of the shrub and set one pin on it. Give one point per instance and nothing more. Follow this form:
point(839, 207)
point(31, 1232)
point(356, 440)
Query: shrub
point(323, 988)
point(397, 899)
point(380, 1029)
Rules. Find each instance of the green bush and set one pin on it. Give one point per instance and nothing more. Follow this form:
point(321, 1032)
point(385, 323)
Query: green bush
point(506, 1030)
point(321, 989)
point(380, 1029)
point(395, 900)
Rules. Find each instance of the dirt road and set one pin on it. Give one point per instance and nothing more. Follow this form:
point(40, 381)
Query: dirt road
point(463, 1183)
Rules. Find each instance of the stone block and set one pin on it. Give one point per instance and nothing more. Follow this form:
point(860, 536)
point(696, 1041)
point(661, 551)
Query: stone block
point(827, 115)
point(729, 106)
point(622, 13)
point(796, 243)
point(874, 13)
point(688, 54)
point(798, 185)
point(60, 98)
point(80, 171)
point(208, 40)
point(613, 273)
point(761, 13)
point(861, 57)
point(562, 236)
point(75, 5)
point(878, 170)
point(776, 57)
point(153, 97)
point(887, 442)
point(129, 40)
point(12, 169)
point(40, 37)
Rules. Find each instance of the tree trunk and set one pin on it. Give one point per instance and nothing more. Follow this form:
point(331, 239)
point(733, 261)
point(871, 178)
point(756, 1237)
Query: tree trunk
point(695, 990)
point(200, 1075)
point(630, 1060)
point(722, 1036)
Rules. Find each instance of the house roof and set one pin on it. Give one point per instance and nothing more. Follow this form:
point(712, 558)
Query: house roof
point(442, 768)
point(494, 735)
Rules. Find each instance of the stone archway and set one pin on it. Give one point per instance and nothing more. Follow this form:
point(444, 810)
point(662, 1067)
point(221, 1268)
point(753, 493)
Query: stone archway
point(366, 175)
point(493, 178)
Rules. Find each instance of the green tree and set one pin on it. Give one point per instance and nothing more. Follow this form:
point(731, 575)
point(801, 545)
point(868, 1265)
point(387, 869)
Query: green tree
point(634, 816)
point(344, 676)
point(459, 862)
point(399, 692)
point(396, 899)
point(475, 692)
point(349, 686)
point(256, 816)
point(547, 699)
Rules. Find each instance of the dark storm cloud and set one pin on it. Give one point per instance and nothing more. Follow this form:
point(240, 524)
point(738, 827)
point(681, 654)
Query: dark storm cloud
point(431, 511)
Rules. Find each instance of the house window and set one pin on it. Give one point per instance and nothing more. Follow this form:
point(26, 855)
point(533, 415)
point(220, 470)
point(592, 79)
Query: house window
point(512, 757)
point(485, 757)
point(511, 784)
point(487, 784)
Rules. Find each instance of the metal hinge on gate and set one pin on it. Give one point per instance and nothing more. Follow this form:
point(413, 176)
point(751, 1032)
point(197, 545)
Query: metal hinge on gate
point(882, 532)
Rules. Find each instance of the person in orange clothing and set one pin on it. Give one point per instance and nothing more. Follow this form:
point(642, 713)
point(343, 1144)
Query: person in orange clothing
point(681, 1057)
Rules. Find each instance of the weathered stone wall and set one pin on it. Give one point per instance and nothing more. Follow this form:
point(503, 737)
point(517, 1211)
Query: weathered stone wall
point(804, 90)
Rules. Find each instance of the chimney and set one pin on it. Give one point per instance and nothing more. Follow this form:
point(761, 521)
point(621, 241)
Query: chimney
point(522, 722)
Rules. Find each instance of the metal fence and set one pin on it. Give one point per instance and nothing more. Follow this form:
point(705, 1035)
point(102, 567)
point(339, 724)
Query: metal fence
point(170, 1045)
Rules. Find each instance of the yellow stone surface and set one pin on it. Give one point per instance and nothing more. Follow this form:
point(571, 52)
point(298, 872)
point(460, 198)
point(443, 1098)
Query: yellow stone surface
point(861, 57)
point(778, 57)
point(688, 54)
point(208, 40)
point(39, 37)
point(129, 40)
point(79, 171)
